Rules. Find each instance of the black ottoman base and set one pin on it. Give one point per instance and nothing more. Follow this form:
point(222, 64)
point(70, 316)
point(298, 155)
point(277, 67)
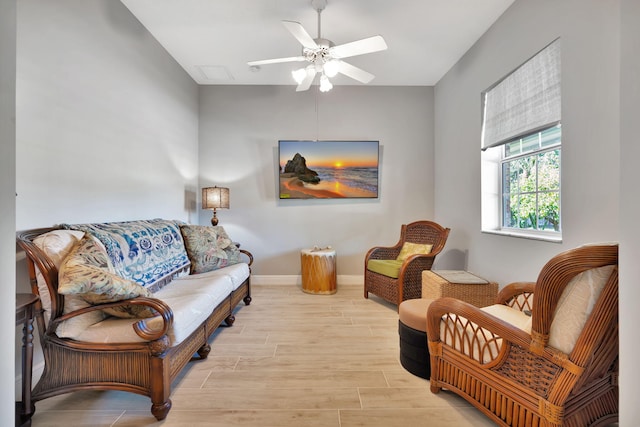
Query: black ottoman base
point(414, 353)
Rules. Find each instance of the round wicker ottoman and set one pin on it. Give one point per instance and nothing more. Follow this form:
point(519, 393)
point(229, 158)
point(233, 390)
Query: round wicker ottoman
point(412, 327)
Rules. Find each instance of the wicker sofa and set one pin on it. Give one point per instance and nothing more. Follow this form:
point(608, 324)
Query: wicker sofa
point(174, 285)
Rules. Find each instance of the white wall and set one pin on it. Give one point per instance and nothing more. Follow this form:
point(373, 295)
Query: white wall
point(601, 105)
point(589, 32)
point(239, 131)
point(629, 212)
point(107, 124)
point(7, 205)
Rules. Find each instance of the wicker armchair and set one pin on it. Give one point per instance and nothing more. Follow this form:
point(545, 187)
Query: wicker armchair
point(546, 355)
point(408, 283)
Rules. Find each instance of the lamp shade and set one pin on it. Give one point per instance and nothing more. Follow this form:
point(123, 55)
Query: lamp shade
point(215, 198)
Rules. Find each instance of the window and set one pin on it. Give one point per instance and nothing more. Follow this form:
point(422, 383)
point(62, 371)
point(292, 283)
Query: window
point(531, 182)
point(521, 150)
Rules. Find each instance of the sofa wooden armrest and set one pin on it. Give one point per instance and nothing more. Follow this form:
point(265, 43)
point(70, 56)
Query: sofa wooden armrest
point(249, 255)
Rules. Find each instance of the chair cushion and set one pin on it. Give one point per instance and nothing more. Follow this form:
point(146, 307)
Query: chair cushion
point(409, 249)
point(571, 314)
point(386, 267)
point(510, 315)
point(575, 306)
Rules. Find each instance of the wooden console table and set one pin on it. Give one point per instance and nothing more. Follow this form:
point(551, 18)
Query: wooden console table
point(25, 304)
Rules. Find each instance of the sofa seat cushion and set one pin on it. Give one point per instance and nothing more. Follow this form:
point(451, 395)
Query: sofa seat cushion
point(386, 267)
point(237, 273)
point(191, 301)
point(217, 286)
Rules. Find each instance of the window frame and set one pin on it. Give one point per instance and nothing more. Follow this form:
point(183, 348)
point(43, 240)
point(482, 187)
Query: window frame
point(492, 201)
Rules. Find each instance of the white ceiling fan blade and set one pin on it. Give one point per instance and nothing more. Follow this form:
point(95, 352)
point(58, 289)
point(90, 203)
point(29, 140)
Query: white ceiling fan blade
point(306, 83)
point(300, 33)
point(359, 47)
point(277, 60)
point(354, 72)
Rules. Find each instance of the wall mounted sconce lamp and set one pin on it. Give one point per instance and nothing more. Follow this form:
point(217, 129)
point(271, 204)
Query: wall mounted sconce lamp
point(215, 198)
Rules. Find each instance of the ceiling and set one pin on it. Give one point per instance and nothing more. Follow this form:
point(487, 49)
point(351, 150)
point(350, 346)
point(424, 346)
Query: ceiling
point(214, 39)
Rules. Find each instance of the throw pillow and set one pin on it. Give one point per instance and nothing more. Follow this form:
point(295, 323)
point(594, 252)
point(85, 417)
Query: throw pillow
point(209, 248)
point(87, 272)
point(409, 249)
point(57, 244)
point(232, 251)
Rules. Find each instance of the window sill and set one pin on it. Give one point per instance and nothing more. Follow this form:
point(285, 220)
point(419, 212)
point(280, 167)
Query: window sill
point(525, 235)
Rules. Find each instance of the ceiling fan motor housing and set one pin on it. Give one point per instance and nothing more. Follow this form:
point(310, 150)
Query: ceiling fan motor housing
point(319, 55)
point(318, 4)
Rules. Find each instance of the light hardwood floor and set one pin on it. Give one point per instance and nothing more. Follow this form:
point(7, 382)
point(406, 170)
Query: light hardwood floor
point(290, 359)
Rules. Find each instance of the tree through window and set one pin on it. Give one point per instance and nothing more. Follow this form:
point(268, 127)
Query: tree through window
point(531, 182)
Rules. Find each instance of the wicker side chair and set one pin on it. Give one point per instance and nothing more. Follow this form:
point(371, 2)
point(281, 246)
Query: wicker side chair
point(546, 354)
point(408, 283)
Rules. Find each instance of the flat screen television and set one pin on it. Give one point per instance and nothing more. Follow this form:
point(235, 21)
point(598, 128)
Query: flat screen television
point(328, 169)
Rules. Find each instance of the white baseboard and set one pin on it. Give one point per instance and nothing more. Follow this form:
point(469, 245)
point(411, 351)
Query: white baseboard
point(287, 280)
point(351, 279)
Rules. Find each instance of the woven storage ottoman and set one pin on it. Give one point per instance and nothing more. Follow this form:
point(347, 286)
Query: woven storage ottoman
point(458, 284)
point(412, 327)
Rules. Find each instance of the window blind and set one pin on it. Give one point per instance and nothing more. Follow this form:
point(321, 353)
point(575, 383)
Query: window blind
point(525, 101)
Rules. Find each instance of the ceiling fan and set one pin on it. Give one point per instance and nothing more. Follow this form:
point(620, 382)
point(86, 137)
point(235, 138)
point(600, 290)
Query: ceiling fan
point(324, 57)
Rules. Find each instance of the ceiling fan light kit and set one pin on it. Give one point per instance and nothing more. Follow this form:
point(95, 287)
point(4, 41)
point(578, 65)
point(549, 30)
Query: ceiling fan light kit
point(325, 84)
point(323, 57)
point(331, 68)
